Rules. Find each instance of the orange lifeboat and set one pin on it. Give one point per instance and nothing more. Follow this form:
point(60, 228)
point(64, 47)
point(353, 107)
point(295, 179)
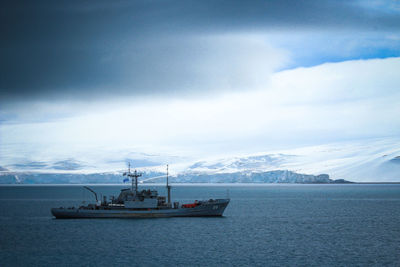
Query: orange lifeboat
point(192, 205)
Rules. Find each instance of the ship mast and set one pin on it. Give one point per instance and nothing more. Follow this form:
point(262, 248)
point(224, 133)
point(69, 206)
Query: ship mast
point(135, 175)
point(169, 190)
point(129, 172)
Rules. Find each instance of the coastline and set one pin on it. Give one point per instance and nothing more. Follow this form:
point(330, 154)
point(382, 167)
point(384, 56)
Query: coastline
point(206, 184)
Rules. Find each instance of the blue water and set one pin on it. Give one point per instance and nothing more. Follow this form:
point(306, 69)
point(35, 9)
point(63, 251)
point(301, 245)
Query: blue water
point(273, 225)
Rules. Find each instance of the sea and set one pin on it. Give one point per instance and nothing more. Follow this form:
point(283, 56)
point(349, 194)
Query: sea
point(264, 225)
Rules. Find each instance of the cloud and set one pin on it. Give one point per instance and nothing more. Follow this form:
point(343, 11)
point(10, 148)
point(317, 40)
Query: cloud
point(166, 67)
point(196, 67)
point(330, 102)
point(94, 50)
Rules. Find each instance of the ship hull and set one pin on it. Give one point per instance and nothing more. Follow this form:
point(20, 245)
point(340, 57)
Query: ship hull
point(215, 208)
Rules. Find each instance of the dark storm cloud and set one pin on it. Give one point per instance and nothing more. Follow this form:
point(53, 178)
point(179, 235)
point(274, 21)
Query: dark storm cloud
point(75, 49)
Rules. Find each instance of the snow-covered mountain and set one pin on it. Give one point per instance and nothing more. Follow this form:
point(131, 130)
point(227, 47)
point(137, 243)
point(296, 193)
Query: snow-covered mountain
point(371, 160)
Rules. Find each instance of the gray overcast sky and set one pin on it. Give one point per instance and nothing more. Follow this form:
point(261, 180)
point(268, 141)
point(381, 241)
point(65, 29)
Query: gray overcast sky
point(98, 80)
point(96, 49)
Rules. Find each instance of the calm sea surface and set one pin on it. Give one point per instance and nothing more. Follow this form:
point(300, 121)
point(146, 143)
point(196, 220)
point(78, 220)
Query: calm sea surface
point(264, 225)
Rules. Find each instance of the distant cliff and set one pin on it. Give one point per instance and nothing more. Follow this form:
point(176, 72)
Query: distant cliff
point(278, 176)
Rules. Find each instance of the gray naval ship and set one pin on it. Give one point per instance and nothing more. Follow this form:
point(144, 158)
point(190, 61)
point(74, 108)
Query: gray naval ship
point(132, 203)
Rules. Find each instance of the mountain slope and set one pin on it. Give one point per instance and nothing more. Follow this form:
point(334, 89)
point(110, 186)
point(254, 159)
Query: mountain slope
point(370, 160)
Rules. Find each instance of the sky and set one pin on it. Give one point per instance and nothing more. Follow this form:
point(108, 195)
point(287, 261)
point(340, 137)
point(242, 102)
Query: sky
point(80, 79)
